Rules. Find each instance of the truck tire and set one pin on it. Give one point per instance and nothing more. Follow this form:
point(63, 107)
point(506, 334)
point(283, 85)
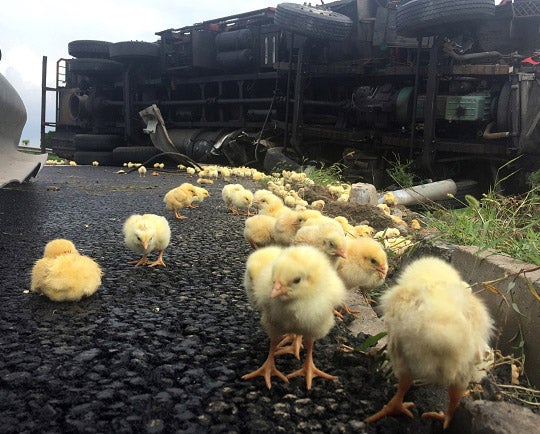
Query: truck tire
point(96, 142)
point(133, 50)
point(94, 67)
point(313, 22)
point(425, 17)
point(87, 157)
point(89, 49)
point(135, 154)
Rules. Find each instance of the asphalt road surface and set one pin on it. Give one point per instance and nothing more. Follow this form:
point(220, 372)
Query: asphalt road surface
point(157, 349)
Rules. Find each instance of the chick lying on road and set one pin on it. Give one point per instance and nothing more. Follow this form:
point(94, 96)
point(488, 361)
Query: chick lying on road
point(63, 274)
point(437, 332)
point(147, 233)
point(297, 293)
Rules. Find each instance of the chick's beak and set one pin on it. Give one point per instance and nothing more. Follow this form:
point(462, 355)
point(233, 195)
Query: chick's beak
point(382, 271)
point(144, 243)
point(277, 290)
point(342, 253)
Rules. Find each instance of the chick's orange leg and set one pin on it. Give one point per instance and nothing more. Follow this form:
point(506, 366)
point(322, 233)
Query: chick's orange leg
point(158, 261)
point(178, 215)
point(290, 344)
point(395, 406)
point(141, 261)
point(309, 369)
point(455, 395)
point(268, 368)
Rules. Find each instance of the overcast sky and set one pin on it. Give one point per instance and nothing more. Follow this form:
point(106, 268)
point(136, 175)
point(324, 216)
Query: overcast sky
point(31, 29)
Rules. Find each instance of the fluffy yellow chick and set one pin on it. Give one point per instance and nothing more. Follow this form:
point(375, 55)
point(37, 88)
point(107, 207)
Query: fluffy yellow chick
point(268, 203)
point(362, 231)
point(327, 236)
point(190, 171)
point(259, 230)
point(344, 222)
point(227, 192)
point(437, 332)
point(242, 201)
point(384, 208)
point(317, 204)
point(142, 171)
point(387, 233)
point(365, 266)
point(287, 225)
point(147, 233)
point(180, 197)
point(95, 163)
point(62, 274)
point(297, 293)
point(255, 263)
point(200, 194)
point(390, 199)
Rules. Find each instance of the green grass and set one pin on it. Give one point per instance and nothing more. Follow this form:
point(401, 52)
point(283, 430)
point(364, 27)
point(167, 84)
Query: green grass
point(327, 175)
point(508, 225)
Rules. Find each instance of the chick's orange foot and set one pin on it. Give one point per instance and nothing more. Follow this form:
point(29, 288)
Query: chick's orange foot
point(308, 369)
point(290, 344)
point(268, 368)
point(393, 408)
point(142, 261)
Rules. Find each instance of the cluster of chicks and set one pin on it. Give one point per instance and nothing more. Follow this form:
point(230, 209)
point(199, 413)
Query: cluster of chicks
point(297, 278)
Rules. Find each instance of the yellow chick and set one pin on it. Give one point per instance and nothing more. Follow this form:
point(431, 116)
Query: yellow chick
point(297, 293)
point(387, 233)
point(365, 266)
point(63, 274)
point(180, 197)
point(344, 222)
point(259, 230)
point(256, 262)
point(227, 192)
point(268, 203)
point(142, 171)
point(241, 201)
point(287, 225)
point(317, 204)
point(437, 332)
point(95, 163)
point(415, 224)
point(384, 208)
point(190, 171)
point(327, 236)
point(390, 199)
point(72, 163)
point(200, 194)
point(363, 231)
point(147, 233)
point(397, 245)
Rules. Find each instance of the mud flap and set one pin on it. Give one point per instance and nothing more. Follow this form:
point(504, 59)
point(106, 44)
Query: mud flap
point(155, 127)
point(15, 166)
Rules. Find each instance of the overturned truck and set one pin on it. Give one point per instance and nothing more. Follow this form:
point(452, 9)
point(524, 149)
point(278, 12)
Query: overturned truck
point(450, 85)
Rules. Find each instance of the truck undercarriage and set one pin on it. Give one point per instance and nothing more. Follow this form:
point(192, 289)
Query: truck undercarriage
point(450, 85)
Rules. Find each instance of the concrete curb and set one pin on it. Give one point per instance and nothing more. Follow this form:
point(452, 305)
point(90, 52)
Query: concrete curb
point(505, 274)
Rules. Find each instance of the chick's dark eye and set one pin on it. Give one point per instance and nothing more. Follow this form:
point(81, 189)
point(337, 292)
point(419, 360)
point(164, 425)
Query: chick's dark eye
point(297, 280)
point(373, 261)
